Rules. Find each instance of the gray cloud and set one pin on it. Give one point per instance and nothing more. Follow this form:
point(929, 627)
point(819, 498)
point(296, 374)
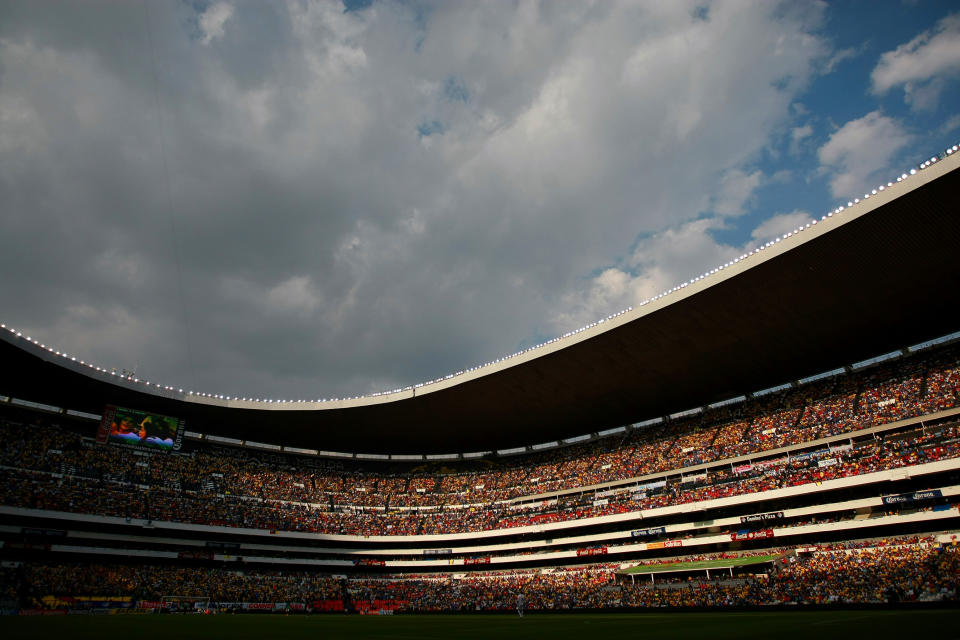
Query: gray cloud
point(295, 201)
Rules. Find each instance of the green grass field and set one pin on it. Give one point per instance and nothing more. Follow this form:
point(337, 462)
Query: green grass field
point(719, 563)
point(805, 625)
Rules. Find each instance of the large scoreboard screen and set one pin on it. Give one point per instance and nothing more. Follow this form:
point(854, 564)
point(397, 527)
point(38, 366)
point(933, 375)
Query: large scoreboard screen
point(140, 428)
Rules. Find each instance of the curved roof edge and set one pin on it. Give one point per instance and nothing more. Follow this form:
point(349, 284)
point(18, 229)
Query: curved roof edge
point(834, 292)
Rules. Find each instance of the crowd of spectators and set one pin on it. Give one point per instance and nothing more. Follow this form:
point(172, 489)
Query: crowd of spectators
point(58, 492)
point(152, 583)
point(902, 569)
point(874, 575)
point(50, 468)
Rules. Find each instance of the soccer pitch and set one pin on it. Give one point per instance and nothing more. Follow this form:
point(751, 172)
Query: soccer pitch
point(662, 626)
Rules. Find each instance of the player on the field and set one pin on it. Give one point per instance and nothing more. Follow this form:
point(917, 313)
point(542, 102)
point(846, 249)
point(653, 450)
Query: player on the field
point(520, 604)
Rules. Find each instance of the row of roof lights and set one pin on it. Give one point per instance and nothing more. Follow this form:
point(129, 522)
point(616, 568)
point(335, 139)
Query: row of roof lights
point(840, 209)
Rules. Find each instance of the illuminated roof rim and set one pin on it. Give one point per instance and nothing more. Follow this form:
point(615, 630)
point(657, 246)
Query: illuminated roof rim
point(914, 178)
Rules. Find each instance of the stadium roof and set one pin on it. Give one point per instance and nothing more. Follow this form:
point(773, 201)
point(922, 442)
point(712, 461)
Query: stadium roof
point(875, 277)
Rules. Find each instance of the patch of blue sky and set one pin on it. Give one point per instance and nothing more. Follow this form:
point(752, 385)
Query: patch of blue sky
point(356, 5)
point(433, 127)
point(622, 265)
point(538, 337)
point(191, 21)
point(865, 31)
point(199, 6)
point(861, 32)
point(701, 12)
point(455, 90)
point(421, 18)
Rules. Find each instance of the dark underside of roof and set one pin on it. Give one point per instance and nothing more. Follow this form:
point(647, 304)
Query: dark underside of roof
point(878, 283)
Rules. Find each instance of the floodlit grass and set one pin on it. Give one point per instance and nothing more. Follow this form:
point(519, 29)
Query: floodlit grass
point(805, 625)
point(719, 563)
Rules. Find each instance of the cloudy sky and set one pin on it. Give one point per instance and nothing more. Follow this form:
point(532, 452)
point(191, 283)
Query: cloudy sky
point(311, 200)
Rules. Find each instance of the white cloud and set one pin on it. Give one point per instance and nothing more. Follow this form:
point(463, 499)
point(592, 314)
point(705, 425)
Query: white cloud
point(800, 133)
point(951, 124)
point(659, 262)
point(857, 154)
point(920, 65)
point(839, 57)
point(663, 261)
point(799, 136)
point(778, 225)
point(212, 21)
point(735, 191)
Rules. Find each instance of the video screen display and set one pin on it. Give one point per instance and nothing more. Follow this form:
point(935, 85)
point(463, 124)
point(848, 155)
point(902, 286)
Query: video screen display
point(140, 428)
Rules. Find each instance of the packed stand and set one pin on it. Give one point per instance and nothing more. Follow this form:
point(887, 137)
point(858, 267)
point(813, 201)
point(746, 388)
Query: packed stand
point(62, 491)
point(909, 569)
point(234, 488)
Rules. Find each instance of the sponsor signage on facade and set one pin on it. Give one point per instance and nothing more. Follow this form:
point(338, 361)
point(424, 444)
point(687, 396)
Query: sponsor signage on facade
point(765, 464)
point(761, 517)
point(369, 562)
point(752, 535)
point(916, 496)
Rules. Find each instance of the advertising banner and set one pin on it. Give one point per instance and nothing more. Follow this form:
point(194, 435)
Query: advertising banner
point(611, 492)
point(48, 533)
point(43, 612)
point(659, 484)
point(902, 498)
point(752, 535)
point(223, 545)
point(766, 464)
point(810, 454)
point(761, 517)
